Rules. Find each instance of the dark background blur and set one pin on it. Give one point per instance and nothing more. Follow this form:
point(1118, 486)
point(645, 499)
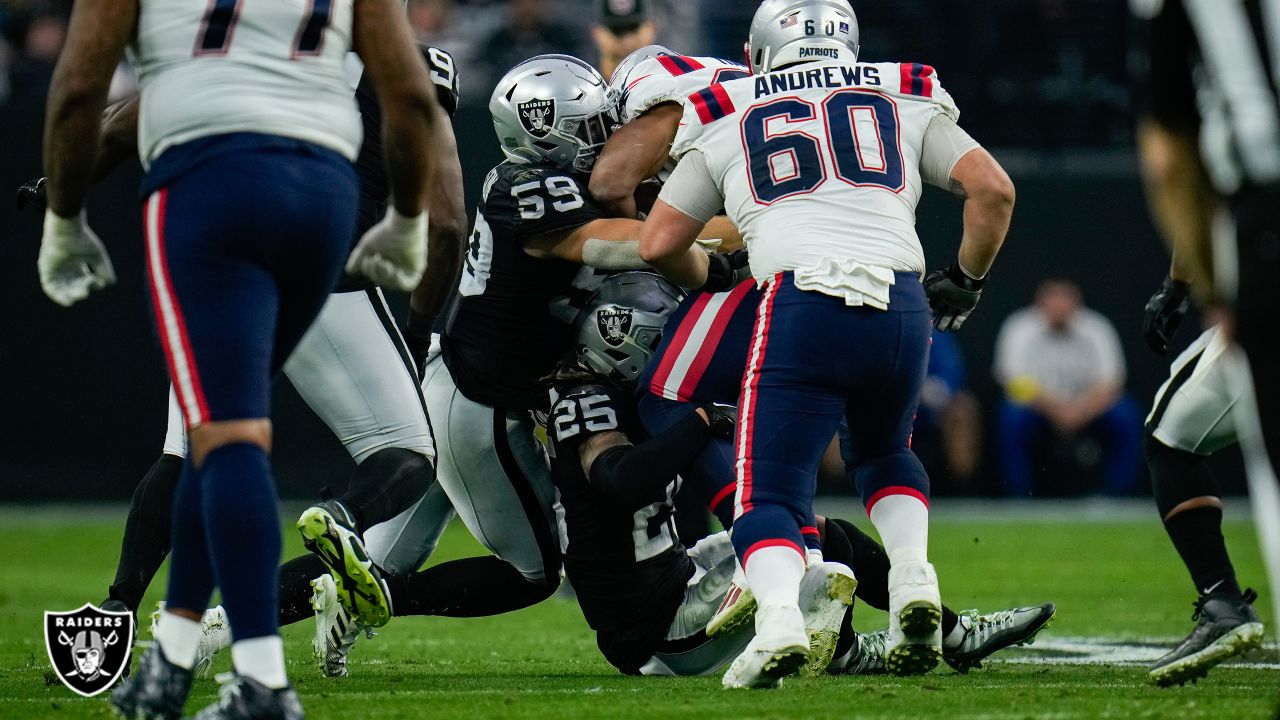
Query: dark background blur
point(1040, 82)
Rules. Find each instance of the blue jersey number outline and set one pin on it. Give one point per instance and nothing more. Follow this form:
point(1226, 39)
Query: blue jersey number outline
point(220, 25)
point(808, 169)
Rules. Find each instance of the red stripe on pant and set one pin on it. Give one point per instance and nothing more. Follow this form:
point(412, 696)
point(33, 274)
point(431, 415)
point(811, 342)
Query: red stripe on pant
point(750, 381)
point(883, 493)
point(777, 542)
point(663, 374)
point(164, 302)
point(708, 350)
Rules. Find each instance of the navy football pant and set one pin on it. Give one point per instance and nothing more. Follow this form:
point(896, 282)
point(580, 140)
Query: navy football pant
point(243, 248)
point(711, 479)
point(813, 361)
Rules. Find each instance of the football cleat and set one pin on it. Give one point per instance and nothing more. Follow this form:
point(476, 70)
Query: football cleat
point(336, 632)
point(157, 691)
point(993, 632)
point(826, 593)
point(780, 648)
point(868, 658)
point(915, 619)
point(1227, 626)
point(112, 605)
point(243, 698)
point(215, 636)
point(328, 531)
point(736, 610)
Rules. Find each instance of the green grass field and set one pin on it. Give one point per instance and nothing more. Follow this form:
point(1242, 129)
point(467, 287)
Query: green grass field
point(1115, 580)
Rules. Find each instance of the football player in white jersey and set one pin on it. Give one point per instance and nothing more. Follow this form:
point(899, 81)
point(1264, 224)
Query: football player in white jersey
point(651, 83)
point(247, 130)
point(819, 160)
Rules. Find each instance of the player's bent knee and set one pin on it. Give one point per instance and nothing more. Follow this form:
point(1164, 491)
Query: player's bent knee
point(210, 436)
point(1178, 477)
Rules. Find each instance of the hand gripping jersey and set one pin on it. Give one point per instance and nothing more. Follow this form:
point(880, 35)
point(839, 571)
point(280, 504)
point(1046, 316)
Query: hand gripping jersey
point(838, 147)
point(213, 67)
point(626, 565)
point(501, 335)
point(704, 347)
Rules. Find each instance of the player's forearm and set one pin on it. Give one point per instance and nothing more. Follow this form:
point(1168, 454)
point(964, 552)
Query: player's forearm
point(446, 228)
point(635, 153)
point(119, 138)
point(1180, 201)
point(70, 142)
point(667, 244)
point(988, 209)
point(633, 476)
point(407, 133)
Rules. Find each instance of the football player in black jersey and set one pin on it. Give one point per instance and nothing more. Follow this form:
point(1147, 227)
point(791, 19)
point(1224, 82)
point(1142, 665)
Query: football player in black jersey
point(648, 597)
point(353, 369)
point(535, 229)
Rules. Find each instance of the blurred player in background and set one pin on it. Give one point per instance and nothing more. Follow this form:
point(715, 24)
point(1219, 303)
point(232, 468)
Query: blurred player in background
point(840, 267)
point(622, 27)
point(1193, 157)
point(279, 150)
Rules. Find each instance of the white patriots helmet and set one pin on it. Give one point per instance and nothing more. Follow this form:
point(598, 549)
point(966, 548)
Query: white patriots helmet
point(785, 32)
point(620, 327)
point(622, 74)
point(556, 108)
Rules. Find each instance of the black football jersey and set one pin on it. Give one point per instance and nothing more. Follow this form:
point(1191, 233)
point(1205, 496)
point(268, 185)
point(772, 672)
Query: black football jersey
point(371, 169)
point(502, 335)
point(626, 565)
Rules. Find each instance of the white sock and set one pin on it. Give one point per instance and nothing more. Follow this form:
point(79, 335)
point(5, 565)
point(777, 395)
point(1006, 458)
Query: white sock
point(261, 658)
point(178, 637)
point(903, 524)
point(774, 575)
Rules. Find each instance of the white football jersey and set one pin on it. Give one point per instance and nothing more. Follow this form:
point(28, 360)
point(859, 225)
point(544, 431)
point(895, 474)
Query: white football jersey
point(275, 67)
point(819, 164)
point(670, 78)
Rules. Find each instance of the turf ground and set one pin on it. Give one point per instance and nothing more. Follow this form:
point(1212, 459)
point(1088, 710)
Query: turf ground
point(1119, 588)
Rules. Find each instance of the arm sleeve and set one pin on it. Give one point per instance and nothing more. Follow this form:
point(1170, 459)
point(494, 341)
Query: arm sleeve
point(944, 144)
point(692, 190)
point(633, 476)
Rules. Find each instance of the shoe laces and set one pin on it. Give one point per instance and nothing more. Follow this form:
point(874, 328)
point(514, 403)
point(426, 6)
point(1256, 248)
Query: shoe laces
point(870, 652)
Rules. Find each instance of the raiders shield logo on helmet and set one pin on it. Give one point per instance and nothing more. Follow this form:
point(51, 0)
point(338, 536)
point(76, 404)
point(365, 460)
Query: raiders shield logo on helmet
point(614, 324)
point(538, 116)
point(89, 648)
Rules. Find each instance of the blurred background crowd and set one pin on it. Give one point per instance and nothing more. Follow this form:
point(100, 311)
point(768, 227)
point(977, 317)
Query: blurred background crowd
point(1044, 392)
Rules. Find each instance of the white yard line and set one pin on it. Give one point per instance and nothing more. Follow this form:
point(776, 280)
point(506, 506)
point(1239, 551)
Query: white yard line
point(1102, 651)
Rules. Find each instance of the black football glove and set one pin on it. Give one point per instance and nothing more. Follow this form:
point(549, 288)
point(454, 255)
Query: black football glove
point(721, 419)
point(952, 296)
point(726, 271)
point(32, 195)
point(1164, 313)
point(418, 336)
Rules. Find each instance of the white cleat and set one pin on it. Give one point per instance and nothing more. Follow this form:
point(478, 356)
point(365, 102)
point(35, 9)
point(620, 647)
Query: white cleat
point(737, 609)
point(336, 631)
point(215, 636)
point(780, 648)
point(915, 619)
point(826, 593)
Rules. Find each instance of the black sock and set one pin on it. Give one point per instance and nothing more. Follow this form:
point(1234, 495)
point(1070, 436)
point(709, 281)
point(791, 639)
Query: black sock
point(295, 587)
point(146, 532)
point(386, 484)
point(845, 543)
point(1197, 535)
point(474, 587)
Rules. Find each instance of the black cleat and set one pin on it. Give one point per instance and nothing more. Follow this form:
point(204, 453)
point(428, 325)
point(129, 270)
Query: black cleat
point(1228, 626)
point(987, 634)
point(247, 699)
point(157, 691)
point(112, 605)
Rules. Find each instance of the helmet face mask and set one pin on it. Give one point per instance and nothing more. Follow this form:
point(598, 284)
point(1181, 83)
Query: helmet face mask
point(787, 32)
point(553, 108)
point(621, 326)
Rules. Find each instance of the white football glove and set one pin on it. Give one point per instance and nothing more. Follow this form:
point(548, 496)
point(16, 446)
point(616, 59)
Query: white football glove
point(72, 261)
point(392, 253)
